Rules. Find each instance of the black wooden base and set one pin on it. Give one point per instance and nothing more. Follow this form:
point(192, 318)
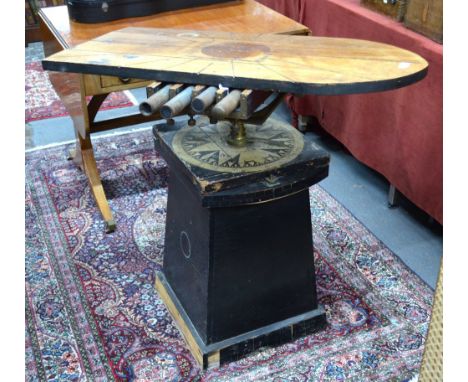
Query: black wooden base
point(238, 270)
point(231, 349)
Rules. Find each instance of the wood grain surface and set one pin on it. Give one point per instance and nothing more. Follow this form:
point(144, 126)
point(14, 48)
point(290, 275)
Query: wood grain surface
point(238, 16)
point(284, 63)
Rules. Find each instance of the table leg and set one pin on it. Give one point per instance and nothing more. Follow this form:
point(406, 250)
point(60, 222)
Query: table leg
point(393, 196)
point(92, 110)
point(83, 156)
point(70, 87)
point(92, 173)
point(75, 154)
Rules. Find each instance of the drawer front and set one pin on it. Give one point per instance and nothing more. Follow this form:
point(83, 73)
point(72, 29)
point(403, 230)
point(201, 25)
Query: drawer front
point(110, 81)
point(95, 84)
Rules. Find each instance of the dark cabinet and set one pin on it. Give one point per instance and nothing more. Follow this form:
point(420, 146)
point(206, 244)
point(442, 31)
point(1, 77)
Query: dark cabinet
point(32, 33)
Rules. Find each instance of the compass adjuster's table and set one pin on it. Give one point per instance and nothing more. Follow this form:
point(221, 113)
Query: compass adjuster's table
point(238, 232)
point(238, 268)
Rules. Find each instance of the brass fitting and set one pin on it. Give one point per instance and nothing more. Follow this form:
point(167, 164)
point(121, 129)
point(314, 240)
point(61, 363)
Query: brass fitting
point(238, 136)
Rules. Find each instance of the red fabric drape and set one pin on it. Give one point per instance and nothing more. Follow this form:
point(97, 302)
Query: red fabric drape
point(399, 132)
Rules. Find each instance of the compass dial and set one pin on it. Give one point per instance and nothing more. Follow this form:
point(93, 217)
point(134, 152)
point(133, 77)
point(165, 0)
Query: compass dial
point(268, 146)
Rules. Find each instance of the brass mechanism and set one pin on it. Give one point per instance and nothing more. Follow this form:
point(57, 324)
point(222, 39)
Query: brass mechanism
point(238, 136)
point(235, 106)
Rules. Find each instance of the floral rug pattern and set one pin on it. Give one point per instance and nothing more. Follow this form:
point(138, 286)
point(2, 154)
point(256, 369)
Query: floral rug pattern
point(42, 102)
point(92, 313)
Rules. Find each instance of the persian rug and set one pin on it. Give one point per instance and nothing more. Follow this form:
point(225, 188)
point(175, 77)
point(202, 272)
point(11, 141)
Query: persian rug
point(42, 102)
point(92, 313)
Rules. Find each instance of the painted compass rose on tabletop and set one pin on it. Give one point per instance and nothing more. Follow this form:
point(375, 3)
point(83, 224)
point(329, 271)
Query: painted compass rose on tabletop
point(267, 146)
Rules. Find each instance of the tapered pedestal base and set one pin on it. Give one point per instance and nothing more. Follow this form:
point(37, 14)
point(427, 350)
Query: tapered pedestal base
point(238, 269)
point(215, 354)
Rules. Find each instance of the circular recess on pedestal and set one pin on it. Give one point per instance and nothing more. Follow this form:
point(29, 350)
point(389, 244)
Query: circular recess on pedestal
point(268, 146)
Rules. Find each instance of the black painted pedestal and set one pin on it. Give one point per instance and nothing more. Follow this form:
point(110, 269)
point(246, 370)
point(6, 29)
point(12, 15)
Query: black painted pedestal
point(238, 269)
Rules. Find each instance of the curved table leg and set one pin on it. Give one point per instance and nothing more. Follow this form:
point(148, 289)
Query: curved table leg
point(92, 173)
point(92, 109)
point(70, 87)
point(75, 154)
point(83, 156)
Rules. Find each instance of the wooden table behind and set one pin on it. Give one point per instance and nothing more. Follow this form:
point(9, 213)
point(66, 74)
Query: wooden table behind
point(246, 16)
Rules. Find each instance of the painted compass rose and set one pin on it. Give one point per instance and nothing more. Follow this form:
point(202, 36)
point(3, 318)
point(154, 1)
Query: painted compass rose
point(268, 146)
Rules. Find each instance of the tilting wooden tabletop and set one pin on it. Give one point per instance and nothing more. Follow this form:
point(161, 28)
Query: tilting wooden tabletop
point(295, 64)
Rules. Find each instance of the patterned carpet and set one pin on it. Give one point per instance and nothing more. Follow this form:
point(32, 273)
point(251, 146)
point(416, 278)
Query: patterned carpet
point(41, 100)
point(92, 313)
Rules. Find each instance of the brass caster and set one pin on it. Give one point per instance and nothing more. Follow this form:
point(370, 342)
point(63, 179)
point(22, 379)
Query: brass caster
point(71, 154)
point(110, 226)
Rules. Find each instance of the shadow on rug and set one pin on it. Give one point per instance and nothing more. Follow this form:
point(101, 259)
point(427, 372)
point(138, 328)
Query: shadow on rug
point(42, 102)
point(92, 313)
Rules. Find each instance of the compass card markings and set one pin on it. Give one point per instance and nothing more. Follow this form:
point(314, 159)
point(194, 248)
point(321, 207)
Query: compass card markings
point(256, 156)
point(209, 136)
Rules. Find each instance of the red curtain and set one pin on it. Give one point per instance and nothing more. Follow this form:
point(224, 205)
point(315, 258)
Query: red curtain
point(398, 133)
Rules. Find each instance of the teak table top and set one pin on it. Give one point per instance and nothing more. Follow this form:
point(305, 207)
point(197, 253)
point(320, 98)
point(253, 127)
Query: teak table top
point(283, 63)
point(237, 16)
